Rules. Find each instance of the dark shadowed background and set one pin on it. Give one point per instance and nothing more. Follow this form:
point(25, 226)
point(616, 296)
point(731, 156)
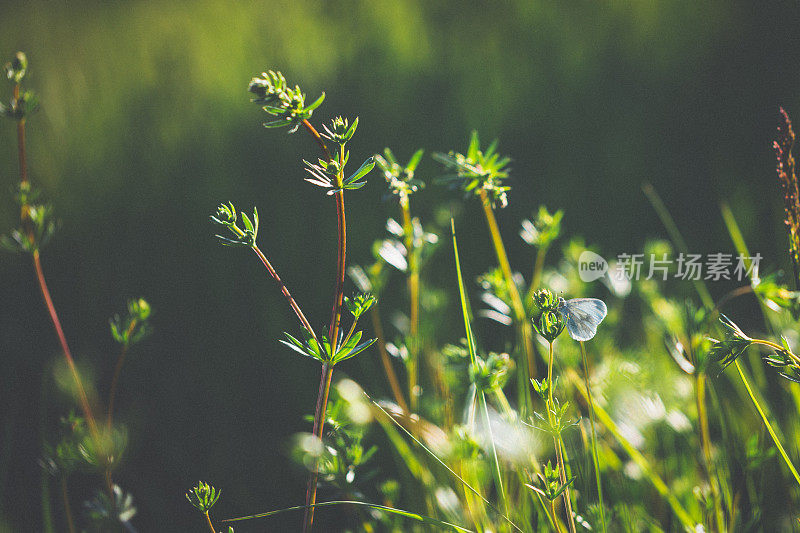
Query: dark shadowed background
point(145, 126)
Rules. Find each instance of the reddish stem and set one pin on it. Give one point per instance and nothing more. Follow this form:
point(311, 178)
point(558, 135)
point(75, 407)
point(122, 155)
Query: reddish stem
point(319, 424)
point(285, 292)
point(333, 331)
point(82, 397)
point(317, 137)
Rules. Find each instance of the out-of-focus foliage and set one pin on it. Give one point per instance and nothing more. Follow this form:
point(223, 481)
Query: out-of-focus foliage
point(144, 125)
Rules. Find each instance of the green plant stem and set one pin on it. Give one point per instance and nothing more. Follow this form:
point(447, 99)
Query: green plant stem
point(766, 423)
point(498, 478)
point(67, 509)
point(524, 327)
point(210, 524)
point(641, 461)
point(286, 294)
point(705, 440)
point(319, 424)
point(538, 267)
point(117, 370)
point(677, 238)
point(558, 443)
point(394, 383)
point(82, 397)
point(595, 457)
point(412, 282)
point(557, 524)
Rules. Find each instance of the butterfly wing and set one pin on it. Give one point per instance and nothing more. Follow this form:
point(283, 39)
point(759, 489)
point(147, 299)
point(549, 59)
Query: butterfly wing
point(583, 315)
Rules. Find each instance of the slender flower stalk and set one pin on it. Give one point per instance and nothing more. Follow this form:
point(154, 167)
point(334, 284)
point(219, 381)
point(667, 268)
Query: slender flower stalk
point(336, 313)
point(208, 521)
point(83, 398)
point(524, 328)
point(292, 303)
point(391, 376)
point(67, 509)
point(558, 443)
point(705, 441)
point(595, 457)
point(412, 282)
point(761, 413)
point(117, 370)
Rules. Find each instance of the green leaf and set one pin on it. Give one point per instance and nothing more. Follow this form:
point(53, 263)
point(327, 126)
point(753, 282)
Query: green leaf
point(316, 103)
point(474, 146)
point(362, 171)
point(400, 512)
point(352, 129)
point(415, 159)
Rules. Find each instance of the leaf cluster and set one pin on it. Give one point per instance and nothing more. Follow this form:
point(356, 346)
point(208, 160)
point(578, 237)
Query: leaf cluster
point(550, 481)
point(400, 178)
point(227, 217)
point(544, 229)
point(38, 223)
point(734, 342)
point(203, 496)
point(279, 100)
point(323, 352)
point(328, 174)
point(477, 171)
point(107, 513)
point(134, 325)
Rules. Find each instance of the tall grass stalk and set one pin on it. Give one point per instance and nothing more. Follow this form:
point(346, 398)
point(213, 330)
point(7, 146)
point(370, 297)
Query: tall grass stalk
point(595, 458)
point(412, 282)
point(558, 441)
point(498, 478)
point(524, 328)
point(772, 433)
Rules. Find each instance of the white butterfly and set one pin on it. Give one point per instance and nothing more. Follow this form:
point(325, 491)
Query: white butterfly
point(583, 315)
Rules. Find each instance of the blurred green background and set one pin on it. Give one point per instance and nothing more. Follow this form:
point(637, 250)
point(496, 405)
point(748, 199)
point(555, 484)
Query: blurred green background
point(145, 126)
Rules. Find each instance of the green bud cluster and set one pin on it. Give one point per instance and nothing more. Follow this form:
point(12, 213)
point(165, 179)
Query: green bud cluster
point(203, 496)
point(279, 100)
point(547, 320)
point(38, 223)
point(227, 217)
point(544, 229)
point(340, 131)
point(478, 171)
point(492, 373)
point(400, 178)
point(133, 326)
point(23, 103)
point(359, 304)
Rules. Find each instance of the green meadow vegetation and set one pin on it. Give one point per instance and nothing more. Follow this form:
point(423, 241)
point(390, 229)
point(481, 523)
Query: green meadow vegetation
point(613, 404)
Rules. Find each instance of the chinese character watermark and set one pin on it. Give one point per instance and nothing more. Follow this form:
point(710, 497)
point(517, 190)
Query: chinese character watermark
point(690, 267)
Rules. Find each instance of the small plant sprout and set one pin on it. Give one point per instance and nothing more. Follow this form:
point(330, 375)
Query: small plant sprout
point(203, 497)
